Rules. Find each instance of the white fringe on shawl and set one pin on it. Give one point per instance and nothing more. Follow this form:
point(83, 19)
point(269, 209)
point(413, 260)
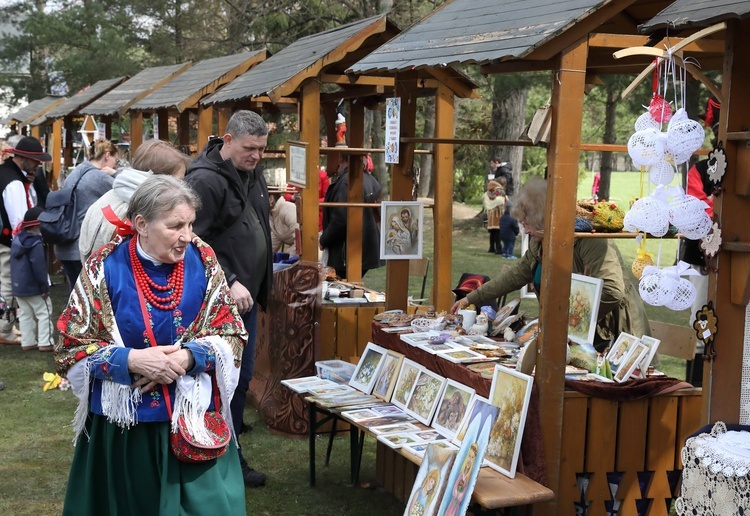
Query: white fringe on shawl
point(119, 401)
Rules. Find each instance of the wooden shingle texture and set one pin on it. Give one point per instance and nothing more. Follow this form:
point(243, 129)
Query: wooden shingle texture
point(200, 76)
point(83, 98)
point(697, 13)
point(478, 32)
point(297, 57)
point(33, 110)
point(131, 90)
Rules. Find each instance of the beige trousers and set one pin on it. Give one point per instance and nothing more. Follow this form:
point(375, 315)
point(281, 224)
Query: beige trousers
point(35, 321)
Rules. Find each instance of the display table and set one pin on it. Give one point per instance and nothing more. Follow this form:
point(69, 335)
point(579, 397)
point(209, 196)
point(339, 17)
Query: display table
point(716, 478)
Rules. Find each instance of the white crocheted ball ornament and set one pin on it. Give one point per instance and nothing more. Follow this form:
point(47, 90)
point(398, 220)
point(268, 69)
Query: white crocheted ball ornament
point(689, 216)
point(661, 173)
point(646, 147)
point(657, 289)
point(646, 121)
point(684, 296)
point(684, 137)
point(648, 214)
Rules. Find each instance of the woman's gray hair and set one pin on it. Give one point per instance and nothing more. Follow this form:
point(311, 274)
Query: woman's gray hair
point(531, 202)
point(160, 194)
point(246, 123)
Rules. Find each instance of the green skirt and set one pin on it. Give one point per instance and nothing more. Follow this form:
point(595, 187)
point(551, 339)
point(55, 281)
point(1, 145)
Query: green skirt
point(133, 472)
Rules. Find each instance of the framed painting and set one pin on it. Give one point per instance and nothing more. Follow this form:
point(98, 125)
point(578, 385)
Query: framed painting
point(432, 478)
point(419, 338)
point(465, 470)
point(631, 362)
point(585, 295)
point(510, 393)
point(527, 291)
point(429, 435)
point(652, 344)
point(452, 407)
point(359, 415)
point(620, 350)
point(296, 163)
point(401, 230)
point(425, 396)
point(462, 356)
point(405, 383)
point(394, 428)
point(479, 406)
point(368, 368)
point(398, 440)
point(385, 381)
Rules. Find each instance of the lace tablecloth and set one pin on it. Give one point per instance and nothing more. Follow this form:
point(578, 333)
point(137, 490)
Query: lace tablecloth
point(716, 474)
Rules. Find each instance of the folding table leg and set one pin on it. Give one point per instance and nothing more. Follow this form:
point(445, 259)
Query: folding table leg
point(330, 441)
point(312, 420)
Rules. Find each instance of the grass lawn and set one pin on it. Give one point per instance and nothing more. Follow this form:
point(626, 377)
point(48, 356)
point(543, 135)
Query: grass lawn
point(36, 444)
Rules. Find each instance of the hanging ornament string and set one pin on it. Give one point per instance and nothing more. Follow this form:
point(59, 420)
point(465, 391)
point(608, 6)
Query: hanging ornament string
point(175, 282)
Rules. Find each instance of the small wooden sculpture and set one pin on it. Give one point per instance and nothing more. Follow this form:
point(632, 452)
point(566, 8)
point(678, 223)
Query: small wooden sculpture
point(341, 131)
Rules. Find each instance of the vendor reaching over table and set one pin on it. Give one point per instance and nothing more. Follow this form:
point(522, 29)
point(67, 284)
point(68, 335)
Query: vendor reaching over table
point(621, 308)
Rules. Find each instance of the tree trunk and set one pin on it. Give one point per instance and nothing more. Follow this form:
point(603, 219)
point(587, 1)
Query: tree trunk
point(508, 120)
point(610, 119)
point(426, 187)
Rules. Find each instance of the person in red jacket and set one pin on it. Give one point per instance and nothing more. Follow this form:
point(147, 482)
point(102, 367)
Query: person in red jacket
point(323, 183)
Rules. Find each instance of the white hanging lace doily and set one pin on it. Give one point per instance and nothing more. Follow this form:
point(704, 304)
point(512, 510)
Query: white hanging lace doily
point(745, 383)
point(722, 451)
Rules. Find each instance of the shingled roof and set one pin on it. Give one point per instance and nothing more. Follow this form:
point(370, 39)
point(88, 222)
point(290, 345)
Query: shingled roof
point(697, 13)
point(83, 97)
point(202, 79)
point(477, 31)
point(33, 110)
point(118, 100)
point(302, 59)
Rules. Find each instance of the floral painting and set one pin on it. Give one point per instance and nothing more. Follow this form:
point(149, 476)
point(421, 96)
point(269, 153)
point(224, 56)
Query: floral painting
point(585, 294)
point(424, 398)
point(510, 393)
point(385, 381)
point(430, 483)
point(368, 368)
point(405, 383)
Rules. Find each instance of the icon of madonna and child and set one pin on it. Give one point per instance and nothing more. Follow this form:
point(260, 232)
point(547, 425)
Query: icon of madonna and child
point(401, 230)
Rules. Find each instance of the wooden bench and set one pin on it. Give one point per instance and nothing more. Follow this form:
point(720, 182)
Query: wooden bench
point(676, 341)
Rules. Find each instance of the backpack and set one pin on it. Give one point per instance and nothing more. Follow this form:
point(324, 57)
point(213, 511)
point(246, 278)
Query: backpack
point(59, 220)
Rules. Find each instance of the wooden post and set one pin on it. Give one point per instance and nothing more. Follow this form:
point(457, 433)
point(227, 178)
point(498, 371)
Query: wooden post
point(205, 125)
point(224, 115)
point(136, 130)
point(310, 133)
point(183, 128)
point(397, 272)
point(443, 209)
point(107, 121)
point(557, 246)
point(56, 148)
point(355, 216)
point(35, 132)
point(69, 137)
point(722, 378)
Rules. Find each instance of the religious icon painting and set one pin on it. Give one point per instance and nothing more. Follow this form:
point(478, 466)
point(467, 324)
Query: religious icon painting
point(480, 407)
point(385, 381)
point(631, 361)
point(401, 230)
point(510, 393)
point(465, 470)
point(652, 344)
point(452, 407)
point(431, 481)
point(368, 367)
point(619, 351)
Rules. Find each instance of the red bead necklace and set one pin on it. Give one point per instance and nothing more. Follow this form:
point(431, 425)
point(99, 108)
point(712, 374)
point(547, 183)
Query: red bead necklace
point(175, 282)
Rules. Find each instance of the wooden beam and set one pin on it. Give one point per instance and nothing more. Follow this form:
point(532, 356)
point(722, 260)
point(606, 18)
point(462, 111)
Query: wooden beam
point(601, 40)
point(55, 149)
point(466, 141)
point(517, 65)
point(402, 176)
point(443, 211)
point(458, 87)
point(136, 131)
point(360, 150)
point(356, 80)
point(162, 125)
point(352, 93)
point(355, 216)
point(183, 129)
point(69, 136)
point(224, 113)
point(124, 109)
point(205, 125)
point(310, 133)
point(562, 158)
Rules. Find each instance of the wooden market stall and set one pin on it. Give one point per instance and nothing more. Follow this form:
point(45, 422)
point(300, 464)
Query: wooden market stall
point(65, 117)
point(117, 101)
point(726, 379)
point(20, 121)
point(180, 96)
point(586, 439)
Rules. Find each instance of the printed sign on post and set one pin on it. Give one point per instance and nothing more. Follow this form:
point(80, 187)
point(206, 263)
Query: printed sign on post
point(392, 129)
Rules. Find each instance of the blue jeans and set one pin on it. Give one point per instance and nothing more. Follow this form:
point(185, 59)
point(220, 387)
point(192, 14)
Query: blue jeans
point(508, 247)
point(246, 369)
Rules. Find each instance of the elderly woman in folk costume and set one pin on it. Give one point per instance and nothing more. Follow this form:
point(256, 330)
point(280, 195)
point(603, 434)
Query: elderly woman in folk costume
point(154, 363)
point(493, 201)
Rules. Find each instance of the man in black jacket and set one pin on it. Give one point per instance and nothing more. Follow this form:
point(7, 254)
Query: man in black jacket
point(234, 220)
